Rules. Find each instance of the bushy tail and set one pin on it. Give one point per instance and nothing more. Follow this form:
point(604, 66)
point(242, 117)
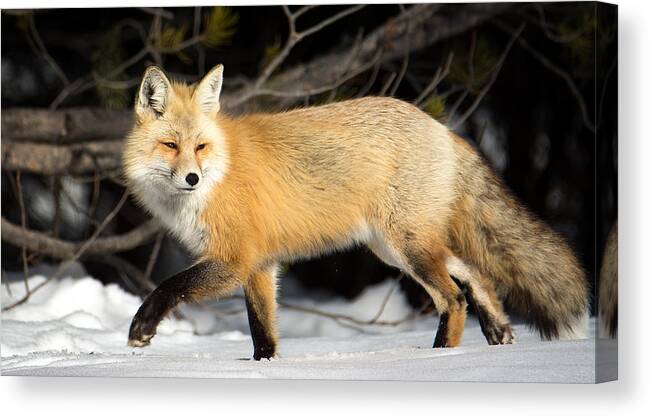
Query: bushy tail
point(532, 267)
point(608, 288)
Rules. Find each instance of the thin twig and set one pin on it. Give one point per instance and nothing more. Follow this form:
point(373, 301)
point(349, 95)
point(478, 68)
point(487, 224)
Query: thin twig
point(327, 22)
point(304, 10)
point(452, 112)
point(548, 30)
point(555, 69)
point(201, 53)
point(87, 82)
point(130, 270)
point(371, 81)
point(343, 317)
point(155, 34)
point(349, 321)
point(386, 298)
point(480, 135)
point(496, 70)
point(7, 286)
point(181, 46)
point(405, 60)
point(45, 53)
point(612, 67)
point(471, 58)
point(441, 73)
point(135, 25)
point(351, 57)
point(67, 91)
point(23, 224)
point(56, 198)
point(153, 257)
point(94, 198)
point(158, 11)
point(115, 84)
point(387, 83)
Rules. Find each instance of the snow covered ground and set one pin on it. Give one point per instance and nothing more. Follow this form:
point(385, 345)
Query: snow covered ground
point(78, 327)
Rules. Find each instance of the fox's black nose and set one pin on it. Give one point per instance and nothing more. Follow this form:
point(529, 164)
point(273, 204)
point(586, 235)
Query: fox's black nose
point(192, 179)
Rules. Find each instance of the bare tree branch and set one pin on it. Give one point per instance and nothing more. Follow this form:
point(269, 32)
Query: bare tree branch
point(75, 159)
point(62, 249)
point(321, 89)
point(426, 25)
point(64, 126)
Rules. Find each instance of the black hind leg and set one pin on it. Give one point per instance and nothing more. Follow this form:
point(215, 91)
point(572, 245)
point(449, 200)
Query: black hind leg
point(481, 296)
point(496, 333)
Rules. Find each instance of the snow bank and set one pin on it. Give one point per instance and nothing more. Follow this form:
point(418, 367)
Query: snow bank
point(73, 315)
point(78, 327)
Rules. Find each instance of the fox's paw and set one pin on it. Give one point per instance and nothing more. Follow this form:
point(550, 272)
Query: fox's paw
point(499, 334)
point(140, 333)
point(140, 342)
point(143, 325)
point(267, 352)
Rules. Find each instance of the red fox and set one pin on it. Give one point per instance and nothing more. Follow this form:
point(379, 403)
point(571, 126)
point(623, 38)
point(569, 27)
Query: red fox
point(246, 193)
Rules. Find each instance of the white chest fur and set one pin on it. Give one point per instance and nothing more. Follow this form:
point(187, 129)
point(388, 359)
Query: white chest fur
point(180, 214)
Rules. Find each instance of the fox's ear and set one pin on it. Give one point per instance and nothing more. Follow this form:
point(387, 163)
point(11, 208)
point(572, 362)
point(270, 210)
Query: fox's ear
point(153, 94)
point(206, 95)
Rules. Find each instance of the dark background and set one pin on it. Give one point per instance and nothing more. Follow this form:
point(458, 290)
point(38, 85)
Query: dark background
point(558, 160)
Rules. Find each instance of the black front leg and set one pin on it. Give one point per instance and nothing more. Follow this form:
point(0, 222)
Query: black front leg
point(205, 279)
point(260, 292)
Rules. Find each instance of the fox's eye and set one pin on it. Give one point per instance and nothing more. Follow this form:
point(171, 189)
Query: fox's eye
point(170, 145)
point(201, 146)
